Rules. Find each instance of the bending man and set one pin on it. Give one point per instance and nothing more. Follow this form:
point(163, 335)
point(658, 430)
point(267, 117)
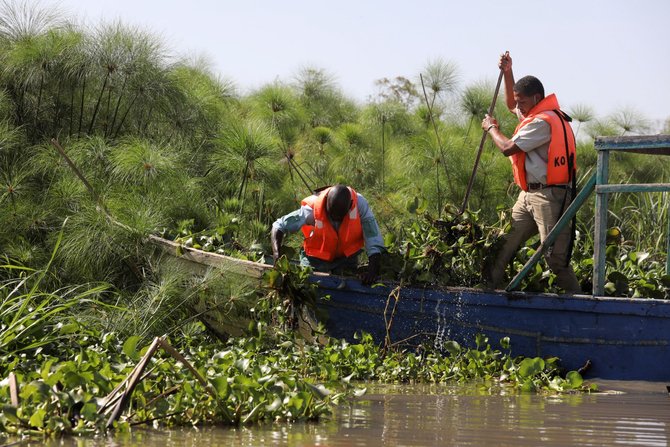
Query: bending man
point(542, 152)
point(337, 223)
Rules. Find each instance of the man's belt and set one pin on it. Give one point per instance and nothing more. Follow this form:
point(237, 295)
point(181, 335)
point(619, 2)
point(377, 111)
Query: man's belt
point(536, 186)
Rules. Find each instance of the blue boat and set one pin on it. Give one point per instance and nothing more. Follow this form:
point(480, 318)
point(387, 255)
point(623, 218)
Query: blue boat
point(604, 337)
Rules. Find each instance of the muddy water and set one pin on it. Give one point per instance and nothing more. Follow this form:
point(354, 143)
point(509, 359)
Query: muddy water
point(634, 413)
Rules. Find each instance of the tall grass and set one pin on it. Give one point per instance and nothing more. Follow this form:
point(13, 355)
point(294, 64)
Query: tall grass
point(30, 316)
point(643, 219)
point(174, 298)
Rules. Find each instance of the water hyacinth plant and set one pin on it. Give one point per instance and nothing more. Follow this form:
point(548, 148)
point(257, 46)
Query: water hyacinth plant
point(247, 379)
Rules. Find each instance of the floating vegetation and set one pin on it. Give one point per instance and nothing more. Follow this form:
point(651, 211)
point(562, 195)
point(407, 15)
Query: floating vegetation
point(84, 381)
point(247, 379)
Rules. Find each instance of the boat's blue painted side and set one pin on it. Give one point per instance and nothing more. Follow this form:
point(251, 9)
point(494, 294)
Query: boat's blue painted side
point(627, 339)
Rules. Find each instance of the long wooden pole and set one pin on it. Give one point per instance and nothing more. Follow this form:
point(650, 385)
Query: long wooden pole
point(481, 144)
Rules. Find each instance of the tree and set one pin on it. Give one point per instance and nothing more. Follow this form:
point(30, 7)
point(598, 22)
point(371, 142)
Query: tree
point(247, 153)
point(475, 101)
point(399, 89)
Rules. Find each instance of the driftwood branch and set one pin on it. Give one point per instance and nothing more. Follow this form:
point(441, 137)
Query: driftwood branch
point(118, 400)
point(113, 397)
point(132, 383)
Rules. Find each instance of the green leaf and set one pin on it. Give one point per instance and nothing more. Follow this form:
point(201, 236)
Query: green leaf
point(530, 367)
point(161, 407)
point(452, 347)
point(220, 385)
point(36, 387)
point(481, 340)
point(73, 379)
point(46, 369)
point(89, 411)
point(70, 328)
point(37, 419)
point(283, 264)
point(273, 278)
point(130, 347)
point(574, 379)
point(9, 412)
point(527, 386)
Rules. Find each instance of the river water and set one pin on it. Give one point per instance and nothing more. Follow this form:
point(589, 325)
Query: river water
point(624, 413)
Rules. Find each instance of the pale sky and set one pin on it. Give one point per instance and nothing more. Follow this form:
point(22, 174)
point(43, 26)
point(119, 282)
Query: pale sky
point(606, 54)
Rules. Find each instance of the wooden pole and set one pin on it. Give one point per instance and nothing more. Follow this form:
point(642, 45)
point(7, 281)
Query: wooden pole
point(481, 145)
point(600, 231)
point(13, 390)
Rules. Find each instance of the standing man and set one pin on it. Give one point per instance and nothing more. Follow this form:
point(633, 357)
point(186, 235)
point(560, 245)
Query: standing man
point(337, 223)
point(542, 152)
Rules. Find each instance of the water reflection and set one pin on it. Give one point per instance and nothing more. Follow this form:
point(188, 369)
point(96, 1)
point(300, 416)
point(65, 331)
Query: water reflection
point(405, 415)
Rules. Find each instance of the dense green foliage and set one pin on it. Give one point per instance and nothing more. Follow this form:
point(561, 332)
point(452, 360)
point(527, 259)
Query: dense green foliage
point(165, 145)
point(169, 148)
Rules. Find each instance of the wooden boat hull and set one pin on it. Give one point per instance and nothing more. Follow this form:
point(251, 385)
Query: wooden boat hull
point(620, 338)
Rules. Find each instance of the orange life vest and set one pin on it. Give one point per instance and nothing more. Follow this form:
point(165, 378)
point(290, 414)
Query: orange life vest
point(561, 162)
point(321, 239)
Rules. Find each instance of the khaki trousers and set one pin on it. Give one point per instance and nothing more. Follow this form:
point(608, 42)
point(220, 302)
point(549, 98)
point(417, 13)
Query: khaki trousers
point(533, 212)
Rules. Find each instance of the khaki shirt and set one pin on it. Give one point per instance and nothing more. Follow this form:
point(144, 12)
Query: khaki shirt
point(534, 139)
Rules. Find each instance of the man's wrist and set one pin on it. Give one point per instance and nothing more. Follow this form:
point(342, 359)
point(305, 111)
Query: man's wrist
point(491, 127)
